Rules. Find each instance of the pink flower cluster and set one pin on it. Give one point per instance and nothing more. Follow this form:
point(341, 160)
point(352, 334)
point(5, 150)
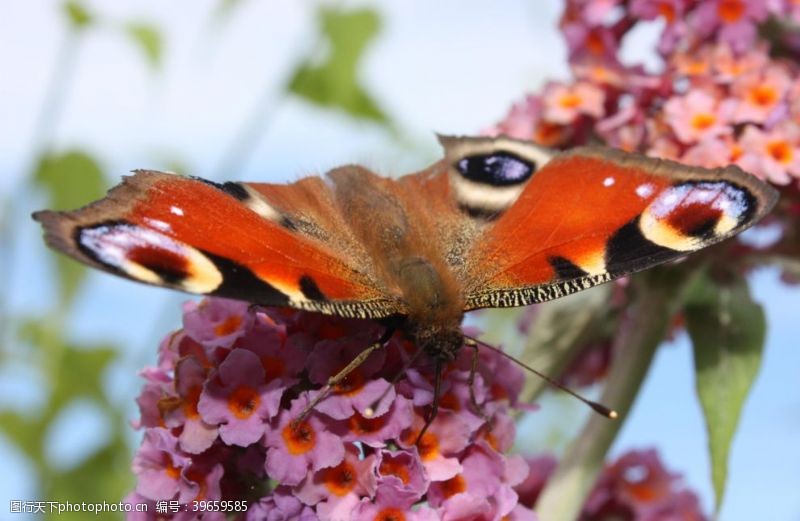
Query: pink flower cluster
point(720, 97)
point(220, 413)
point(636, 486)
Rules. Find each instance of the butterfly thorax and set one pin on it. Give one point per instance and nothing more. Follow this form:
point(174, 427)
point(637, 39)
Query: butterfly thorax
point(406, 257)
point(435, 310)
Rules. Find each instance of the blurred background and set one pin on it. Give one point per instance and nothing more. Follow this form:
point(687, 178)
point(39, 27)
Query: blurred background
point(271, 91)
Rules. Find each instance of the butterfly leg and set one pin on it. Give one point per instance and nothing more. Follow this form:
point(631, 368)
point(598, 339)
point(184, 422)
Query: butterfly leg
point(471, 382)
point(437, 391)
point(334, 380)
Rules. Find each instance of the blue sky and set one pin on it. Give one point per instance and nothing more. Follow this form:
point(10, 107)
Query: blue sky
point(451, 66)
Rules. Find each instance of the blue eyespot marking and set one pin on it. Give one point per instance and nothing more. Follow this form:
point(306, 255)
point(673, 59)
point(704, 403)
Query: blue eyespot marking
point(498, 169)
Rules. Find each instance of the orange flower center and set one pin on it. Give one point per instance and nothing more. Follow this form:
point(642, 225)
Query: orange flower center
point(169, 468)
point(300, 438)
point(763, 95)
point(731, 11)
point(190, 402)
point(703, 121)
point(595, 44)
point(453, 486)
point(360, 425)
point(428, 446)
point(667, 10)
point(243, 401)
point(274, 367)
point(780, 151)
point(390, 514)
point(449, 401)
point(228, 326)
point(549, 134)
point(351, 384)
point(736, 152)
point(395, 468)
point(498, 392)
point(570, 100)
point(341, 479)
point(199, 478)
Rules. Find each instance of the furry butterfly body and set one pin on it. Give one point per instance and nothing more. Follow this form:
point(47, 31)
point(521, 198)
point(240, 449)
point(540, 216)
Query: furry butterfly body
point(495, 223)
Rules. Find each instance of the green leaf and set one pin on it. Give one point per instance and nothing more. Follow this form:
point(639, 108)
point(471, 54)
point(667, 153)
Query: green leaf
point(86, 382)
point(26, 434)
point(334, 83)
point(149, 40)
point(727, 329)
point(79, 17)
point(70, 179)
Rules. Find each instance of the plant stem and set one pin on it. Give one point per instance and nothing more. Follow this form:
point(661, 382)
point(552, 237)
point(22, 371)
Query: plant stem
point(657, 296)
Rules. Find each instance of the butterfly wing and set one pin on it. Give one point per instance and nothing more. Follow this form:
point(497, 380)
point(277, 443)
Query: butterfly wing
point(234, 240)
point(545, 225)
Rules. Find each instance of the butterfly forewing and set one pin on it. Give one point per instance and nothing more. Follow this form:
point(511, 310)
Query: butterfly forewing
point(219, 239)
point(591, 215)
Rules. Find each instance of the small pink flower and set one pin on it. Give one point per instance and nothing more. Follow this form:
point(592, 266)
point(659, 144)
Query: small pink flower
point(403, 471)
point(160, 465)
point(564, 103)
point(238, 399)
point(295, 449)
point(774, 154)
point(734, 19)
point(375, 430)
point(441, 444)
point(216, 322)
point(335, 491)
point(196, 435)
point(590, 42)
point(760, 93)
point(482, 480)
point(698, 115)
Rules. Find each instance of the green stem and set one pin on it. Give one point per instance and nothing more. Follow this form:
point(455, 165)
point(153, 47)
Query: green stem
point(657, 296)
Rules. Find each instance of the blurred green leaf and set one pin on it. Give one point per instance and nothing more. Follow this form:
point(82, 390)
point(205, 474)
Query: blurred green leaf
point(149, 39)
point(26, 433)
point(87, 381)
point(334, 83)
point(225, 8)
point(70, 179)
point(79, 17)
point(727, 329)
point(72, 372)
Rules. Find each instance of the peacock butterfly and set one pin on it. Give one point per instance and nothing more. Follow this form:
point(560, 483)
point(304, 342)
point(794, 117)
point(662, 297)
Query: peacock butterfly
point(496, 223)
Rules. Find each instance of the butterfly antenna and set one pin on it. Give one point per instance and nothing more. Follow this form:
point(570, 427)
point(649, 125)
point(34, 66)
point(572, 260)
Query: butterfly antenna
point(369, 412)
point(595, 406)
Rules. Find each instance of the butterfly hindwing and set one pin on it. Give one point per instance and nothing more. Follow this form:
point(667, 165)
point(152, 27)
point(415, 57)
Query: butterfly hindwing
point(593, 214)
point(226, 239)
